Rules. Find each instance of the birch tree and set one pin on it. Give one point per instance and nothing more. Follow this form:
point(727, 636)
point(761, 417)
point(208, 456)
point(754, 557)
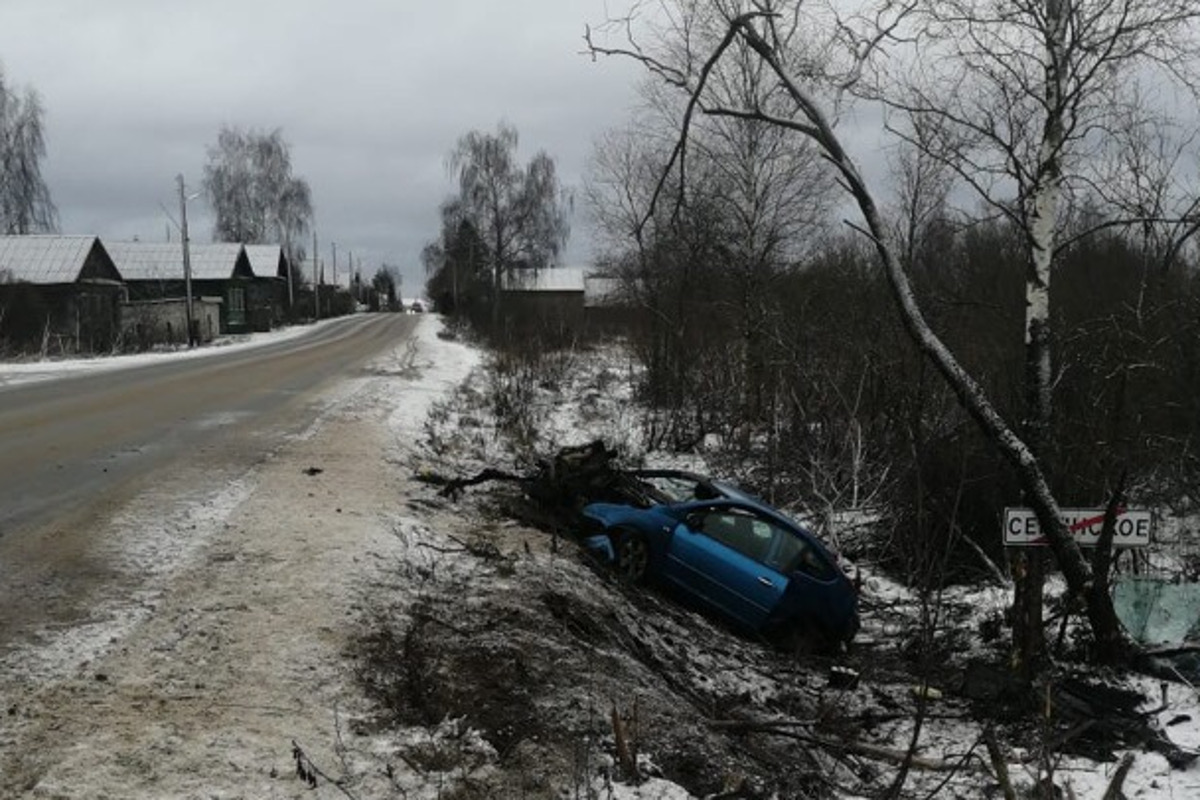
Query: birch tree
point(25, 204)
point(517, 209)
point(249, 183)
point(1012, 97)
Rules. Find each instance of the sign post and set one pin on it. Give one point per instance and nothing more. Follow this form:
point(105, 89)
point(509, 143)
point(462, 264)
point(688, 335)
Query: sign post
point(1132, 527)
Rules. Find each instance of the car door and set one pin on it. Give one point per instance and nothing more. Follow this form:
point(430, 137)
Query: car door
point(716, 555)
point(816, 588)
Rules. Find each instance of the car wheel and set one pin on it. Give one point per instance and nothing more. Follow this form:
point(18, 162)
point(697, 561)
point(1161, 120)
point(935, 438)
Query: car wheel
point(633, 556)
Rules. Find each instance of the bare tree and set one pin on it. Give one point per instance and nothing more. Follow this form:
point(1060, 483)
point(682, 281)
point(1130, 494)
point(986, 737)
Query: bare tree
point(752, 200)
point(1014, 92)
point(517, 210)
point(25, 204)
point(249, 183)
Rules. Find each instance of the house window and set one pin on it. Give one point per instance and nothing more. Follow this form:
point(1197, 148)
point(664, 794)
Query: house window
point(237, 305)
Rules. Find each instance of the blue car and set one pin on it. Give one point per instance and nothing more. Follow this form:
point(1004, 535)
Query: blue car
point(731, 552)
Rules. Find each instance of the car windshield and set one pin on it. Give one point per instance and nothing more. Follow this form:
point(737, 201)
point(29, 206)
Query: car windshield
point(677, 487)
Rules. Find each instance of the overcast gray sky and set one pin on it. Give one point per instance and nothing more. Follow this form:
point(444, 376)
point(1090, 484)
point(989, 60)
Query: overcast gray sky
point(371, 95)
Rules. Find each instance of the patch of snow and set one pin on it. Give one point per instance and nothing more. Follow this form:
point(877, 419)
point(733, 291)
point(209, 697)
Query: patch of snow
point(652, 789)
point(440, 366)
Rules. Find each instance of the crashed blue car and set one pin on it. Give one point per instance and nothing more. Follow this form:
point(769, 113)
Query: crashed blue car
point(730, 552)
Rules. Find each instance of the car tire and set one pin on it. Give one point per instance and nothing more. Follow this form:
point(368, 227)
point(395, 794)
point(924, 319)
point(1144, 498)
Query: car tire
point(633, 557)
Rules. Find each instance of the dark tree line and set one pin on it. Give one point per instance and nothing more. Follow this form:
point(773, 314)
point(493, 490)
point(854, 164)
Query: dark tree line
point(838, 410)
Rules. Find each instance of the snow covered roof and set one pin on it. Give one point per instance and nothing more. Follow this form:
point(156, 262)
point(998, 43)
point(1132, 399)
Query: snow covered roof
point(266, 260)
point(46, 259)
point(558, 279)
point(601, 291)
point(160, 261)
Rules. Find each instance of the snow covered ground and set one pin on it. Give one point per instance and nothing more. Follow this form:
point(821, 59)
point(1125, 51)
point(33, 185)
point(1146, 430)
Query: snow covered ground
point(415, 647)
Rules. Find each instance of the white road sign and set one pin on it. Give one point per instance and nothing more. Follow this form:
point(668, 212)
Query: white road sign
point(1021, 527)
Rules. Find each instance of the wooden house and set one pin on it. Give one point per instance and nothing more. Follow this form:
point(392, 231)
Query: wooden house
point(270, 303)
point(58, 294)
point(221, 273)
point(563, 301)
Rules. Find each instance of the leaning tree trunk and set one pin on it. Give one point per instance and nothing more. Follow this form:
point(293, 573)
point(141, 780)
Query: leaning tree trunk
point(1080, 579)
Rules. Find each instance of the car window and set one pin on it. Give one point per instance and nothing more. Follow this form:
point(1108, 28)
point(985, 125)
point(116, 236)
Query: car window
point(794, 554)
point(738, 530)
point(764, 541)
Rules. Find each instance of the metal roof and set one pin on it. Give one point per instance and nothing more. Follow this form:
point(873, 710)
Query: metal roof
point(163, 261)
point(599, 292)
point(44, 259)
point(559, 279)
point(264, 259)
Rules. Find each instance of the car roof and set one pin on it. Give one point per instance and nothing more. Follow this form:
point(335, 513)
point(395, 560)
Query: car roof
point(715, 489)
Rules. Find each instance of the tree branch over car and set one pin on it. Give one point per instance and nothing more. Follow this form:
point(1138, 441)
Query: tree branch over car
point(1013, 100)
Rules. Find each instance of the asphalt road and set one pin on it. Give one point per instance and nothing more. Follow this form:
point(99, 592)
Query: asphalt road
point(72, 450)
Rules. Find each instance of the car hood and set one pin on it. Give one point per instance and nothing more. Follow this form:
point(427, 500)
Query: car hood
point(618, 513)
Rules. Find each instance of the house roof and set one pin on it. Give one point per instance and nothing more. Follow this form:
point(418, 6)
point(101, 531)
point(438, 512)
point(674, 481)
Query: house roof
point(558, 279)
point(162, 261)
point(45, 259)
point(599, 292)
point(266, 260)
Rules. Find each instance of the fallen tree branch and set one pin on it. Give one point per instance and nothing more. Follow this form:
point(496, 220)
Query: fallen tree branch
point(1113, 792)
point(453, 487)
point(999, 765)
point(890, 755)
point(625, 754)
point(785, 728)
point(308, 772)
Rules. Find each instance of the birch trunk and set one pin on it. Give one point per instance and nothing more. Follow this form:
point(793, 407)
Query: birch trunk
point(1029, 566)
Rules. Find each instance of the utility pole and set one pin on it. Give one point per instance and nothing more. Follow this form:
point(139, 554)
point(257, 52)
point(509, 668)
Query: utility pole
point(287, 262)
point(316, 282)
point(334, 246)
point(187, 260)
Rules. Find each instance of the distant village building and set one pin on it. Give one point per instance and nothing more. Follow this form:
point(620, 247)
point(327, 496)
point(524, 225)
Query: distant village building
point(564, 301)
point(58, 294)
